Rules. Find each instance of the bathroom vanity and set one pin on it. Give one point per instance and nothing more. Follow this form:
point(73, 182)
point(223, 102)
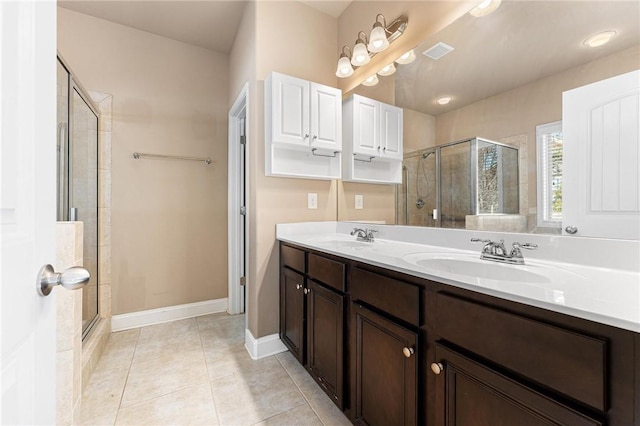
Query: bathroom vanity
point(392, 339)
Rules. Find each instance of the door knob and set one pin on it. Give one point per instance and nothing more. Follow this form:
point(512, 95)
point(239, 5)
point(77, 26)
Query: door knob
point(571, 229)
point(72, 279)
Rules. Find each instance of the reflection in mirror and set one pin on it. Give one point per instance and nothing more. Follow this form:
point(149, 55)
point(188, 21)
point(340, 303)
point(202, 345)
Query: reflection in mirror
point(505, 76)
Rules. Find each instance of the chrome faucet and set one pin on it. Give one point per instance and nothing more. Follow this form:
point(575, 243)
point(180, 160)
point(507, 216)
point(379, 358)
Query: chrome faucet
point(364, 234)
point(496, 251)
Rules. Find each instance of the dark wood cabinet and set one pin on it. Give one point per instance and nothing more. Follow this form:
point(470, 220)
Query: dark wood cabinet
point(469, 393)
point(325, 335)
point(369, 335)
point(384, 378)
point(292, 324)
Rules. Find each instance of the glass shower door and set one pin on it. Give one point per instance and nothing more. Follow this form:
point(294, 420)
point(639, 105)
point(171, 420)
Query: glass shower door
point(83, 194)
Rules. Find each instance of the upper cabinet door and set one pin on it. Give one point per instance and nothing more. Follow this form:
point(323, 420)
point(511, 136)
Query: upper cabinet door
point(290, 109)
point(366, 126)
point(391, 131)
point(326, 117)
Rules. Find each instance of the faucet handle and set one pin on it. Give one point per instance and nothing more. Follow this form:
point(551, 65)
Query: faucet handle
point(480, 240)
point(528, 246)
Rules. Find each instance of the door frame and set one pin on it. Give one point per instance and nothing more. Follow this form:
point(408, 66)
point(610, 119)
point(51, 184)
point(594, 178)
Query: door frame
point(237, 251)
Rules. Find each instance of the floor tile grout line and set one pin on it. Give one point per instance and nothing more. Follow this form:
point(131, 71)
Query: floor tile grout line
point(124, 388)
point(206, 363)
point(286, 411)
point(301, 392)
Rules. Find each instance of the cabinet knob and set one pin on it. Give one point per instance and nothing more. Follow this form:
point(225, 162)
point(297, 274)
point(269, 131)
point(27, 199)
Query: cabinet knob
point(437, 367)
point(384, 149)
point(307, 290)
point(306, 135)
point(408, 352)
point(298, 286)
point(315, 137)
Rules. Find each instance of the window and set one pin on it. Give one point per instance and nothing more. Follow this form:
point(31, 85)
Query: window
point(549, 160)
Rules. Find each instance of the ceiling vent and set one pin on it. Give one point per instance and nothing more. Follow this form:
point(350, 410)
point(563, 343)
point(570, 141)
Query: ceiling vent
point(437, 51)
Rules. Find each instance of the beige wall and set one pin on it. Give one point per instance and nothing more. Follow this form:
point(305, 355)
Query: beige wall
point(519, 111)
point(169, 218)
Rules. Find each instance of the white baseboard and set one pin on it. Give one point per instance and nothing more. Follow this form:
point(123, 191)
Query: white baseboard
point(264, 346)
point(169, 313)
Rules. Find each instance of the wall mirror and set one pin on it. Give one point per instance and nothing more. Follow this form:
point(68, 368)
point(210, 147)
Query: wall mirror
point(504, 75)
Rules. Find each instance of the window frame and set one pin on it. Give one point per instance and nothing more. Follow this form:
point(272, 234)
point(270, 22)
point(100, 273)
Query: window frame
point(541, 166)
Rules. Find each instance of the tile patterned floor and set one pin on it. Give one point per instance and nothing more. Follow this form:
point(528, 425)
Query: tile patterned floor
point(197, 372)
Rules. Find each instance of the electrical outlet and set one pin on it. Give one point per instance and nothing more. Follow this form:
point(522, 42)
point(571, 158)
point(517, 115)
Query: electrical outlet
point(359, 202)
point(312, 200)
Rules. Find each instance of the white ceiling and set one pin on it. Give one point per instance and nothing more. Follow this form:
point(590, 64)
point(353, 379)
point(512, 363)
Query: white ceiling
point(523, 41)
point(211, 24)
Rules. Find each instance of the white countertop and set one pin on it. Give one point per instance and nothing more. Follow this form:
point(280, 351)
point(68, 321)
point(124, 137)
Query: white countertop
point(593, 279)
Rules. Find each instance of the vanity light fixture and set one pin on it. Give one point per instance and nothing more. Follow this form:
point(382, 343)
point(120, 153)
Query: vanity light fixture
point(360, 53)
point(406, 58)
point(344, 64)
point(387, 70)
point(365, 48)
point(599, 39)
point(443, 100)
point(485, 8)
point(371, 81)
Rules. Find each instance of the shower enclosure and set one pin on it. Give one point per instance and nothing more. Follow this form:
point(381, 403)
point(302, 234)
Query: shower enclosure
point(444, 184)
point(77, 177)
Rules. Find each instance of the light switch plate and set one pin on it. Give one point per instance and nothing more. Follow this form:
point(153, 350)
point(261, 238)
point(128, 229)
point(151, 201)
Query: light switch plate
point(359, 202)
point(312, 200)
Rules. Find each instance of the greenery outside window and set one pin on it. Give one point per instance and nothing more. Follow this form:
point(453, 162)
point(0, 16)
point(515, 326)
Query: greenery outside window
point(549, 171)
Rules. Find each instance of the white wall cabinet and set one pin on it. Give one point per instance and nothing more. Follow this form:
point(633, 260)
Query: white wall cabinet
point(303, 128)
point(373, 141)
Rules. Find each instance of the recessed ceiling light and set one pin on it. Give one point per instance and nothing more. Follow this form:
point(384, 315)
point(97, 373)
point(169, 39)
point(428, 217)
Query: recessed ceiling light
point(485, 8)
point(443, 100)
point(371, 81)
point(600, 38)
point(407, 58)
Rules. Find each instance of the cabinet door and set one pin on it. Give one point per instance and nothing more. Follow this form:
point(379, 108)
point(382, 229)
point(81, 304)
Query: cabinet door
point(366, 126)
point(469, 393)
point(386, 385)
point(326, 117)
point(290, 110)
point(292, 312)
point(391, 131)
point(325, 339)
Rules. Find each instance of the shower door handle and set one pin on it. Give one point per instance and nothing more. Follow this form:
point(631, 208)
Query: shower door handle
point(72, 279)
point(73, 214)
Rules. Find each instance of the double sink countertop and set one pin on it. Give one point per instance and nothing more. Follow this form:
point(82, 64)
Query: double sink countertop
point(589, 278)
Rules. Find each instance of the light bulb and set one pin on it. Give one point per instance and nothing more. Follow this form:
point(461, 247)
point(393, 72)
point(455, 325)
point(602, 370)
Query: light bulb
point(407, 58)
point(378, 39)
point(387, 70)
point(360, 54)
point(371, 81)
point(344, 67)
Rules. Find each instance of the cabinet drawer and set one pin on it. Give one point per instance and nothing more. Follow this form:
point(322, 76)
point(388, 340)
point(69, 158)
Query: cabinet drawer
point(292, 257)
point(397, 298)
point(570, 363)
point(327, 271)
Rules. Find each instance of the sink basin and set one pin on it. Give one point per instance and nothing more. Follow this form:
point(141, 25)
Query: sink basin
point(470, 266)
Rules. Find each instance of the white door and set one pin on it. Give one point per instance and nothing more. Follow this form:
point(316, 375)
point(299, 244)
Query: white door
point(290, 109)
point(326, 117)
point(366, 126)
point(391, 131)
point(27, 210)
point(601, 156)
